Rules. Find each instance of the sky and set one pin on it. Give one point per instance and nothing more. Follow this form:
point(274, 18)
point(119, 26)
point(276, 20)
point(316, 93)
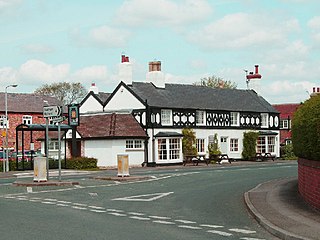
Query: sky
point(47, 41)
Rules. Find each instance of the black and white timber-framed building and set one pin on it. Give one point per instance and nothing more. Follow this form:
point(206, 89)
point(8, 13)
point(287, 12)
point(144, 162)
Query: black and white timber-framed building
point(163, 110)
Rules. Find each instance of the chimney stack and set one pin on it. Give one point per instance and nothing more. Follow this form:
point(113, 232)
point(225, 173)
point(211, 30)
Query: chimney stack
point(253, 80)
point(125, 70)
point(155, 76)
point(94, 88)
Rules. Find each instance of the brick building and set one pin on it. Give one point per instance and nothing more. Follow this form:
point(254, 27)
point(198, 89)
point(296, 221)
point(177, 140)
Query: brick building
point(23, 108)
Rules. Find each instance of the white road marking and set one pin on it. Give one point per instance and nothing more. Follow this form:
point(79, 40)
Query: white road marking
point(245, 231)
point(185, 221)
point(95, 207)
point(159, 217)
point(144, 197)
point(136, 214)
point(66, 202)
point(164, 222)
point(48, 202)
point(80, 208)
point(118, 214)
point(50, 199)
point(225, 234)
point(80, 204)
point(97, 211)
point(189, 227)
point(211, 226)
point(63, 205)
point(140, 218)
point(114, 210)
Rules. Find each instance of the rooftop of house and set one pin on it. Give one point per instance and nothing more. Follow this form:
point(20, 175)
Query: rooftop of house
point(25, 102)
point(201, 97)
point(286, 110)
point(110, 125)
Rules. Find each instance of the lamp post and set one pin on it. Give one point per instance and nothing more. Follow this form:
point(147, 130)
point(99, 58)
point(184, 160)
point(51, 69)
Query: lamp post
point(6, 121)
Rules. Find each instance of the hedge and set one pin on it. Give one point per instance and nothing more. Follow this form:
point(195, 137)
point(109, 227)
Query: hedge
point(306, 129)
point(72, 163)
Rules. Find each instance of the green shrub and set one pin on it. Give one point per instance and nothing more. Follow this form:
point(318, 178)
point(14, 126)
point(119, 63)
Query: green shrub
point(306, 129)
point(189, 142)
point(82, 163)
point(286, 152)
point(249, 145)
point(213, 148)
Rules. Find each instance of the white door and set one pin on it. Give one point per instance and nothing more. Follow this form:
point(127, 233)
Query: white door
point(224, 145)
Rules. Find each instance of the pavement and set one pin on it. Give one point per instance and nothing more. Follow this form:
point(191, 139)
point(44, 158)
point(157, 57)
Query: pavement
point(279, 208)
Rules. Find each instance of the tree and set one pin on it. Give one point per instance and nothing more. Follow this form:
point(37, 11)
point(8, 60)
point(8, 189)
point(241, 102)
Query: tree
point(216, 82)
point(189, 142)
point(249, 144)
point(65, 92)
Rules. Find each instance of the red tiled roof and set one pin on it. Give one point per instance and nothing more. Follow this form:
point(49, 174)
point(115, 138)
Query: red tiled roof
point(286, 110)
point(110, 126)
point(25, 102)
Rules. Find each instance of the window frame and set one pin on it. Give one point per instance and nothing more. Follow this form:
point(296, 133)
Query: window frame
point(169, 149)
point(200, 115)
point(200, 145)
point(234, 119)
point(234, 144)
point(27, 118)
point(134, 144)
point(166, 117)
point(264, 120)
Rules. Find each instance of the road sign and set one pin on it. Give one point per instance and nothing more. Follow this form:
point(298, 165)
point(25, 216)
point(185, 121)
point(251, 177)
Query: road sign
point(52, 111)
point(57, 119)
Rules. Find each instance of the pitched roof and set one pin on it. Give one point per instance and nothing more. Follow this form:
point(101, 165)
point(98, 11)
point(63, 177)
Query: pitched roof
point(101, 97)
point(201, 97)
point(26, 102)
point(110, 126)
point(286, 110)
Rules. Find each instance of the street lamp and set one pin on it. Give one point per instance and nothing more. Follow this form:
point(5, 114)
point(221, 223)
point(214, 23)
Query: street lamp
point(6, 169)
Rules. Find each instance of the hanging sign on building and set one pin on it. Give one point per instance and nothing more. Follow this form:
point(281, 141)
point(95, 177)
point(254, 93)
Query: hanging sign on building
point(73, 115)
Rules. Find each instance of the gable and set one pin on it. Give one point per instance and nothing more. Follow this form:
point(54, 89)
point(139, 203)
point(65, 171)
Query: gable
point(123, 99)
point(91, 104)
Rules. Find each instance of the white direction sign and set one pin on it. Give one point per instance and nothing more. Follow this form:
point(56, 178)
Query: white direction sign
point(57, 119)
point(144, 198)
point(52, 111)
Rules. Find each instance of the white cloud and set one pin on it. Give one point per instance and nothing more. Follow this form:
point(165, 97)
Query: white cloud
point(87, 75)
point(8, 76)
point(35, 70)
point(242, 30)
point(5, 4)
point(162, 12)
point(37, 49)
point(106, 36)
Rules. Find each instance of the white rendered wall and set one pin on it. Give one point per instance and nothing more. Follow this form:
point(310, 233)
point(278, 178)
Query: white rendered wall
point(123, 100)
point(107, 151)
point(91, 105)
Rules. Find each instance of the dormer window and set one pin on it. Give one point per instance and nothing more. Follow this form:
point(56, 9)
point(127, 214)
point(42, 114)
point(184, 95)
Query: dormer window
point(166, 117)
point(200, 118)
point(234, 117)
point(264, 120)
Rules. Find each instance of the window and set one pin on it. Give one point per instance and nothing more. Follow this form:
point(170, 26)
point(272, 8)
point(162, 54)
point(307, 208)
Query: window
point(166, 117)
point(200, 145)
point(3, 121)
point(284, 124)
point(271, 144)
point(53, 145)
point(264, 120)
point(27, 119)
point(174, 148)
point(234, 146)
point(162, 149)
point(261, 145)
point(133, 144)
point(169, 149)
point(234, 118)
point(200, 118)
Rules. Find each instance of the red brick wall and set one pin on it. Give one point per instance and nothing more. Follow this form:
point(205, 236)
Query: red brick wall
point(309, 181)
point(15, 119)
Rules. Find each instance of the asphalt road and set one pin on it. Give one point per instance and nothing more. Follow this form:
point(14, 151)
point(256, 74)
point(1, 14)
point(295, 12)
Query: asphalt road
point(176, 203)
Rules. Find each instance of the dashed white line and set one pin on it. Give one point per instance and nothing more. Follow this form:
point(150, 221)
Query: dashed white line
point(246, 238)
point(46, 202)
point(98, 211)
point(136, 214)
point(189, 227)
point(80, 208)
point(225, 234)
point(114, 210)
point(117, 214)
point(50, 199)
point(140, 218)
point(185, 221)
point(245, 231)
point(62, 205)
point(80, 204)
point(211, 226)
point(164, 222)
point(159, 217)
point(96, 207)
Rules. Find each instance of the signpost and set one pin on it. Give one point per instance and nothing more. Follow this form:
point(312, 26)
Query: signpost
point(54, 113)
